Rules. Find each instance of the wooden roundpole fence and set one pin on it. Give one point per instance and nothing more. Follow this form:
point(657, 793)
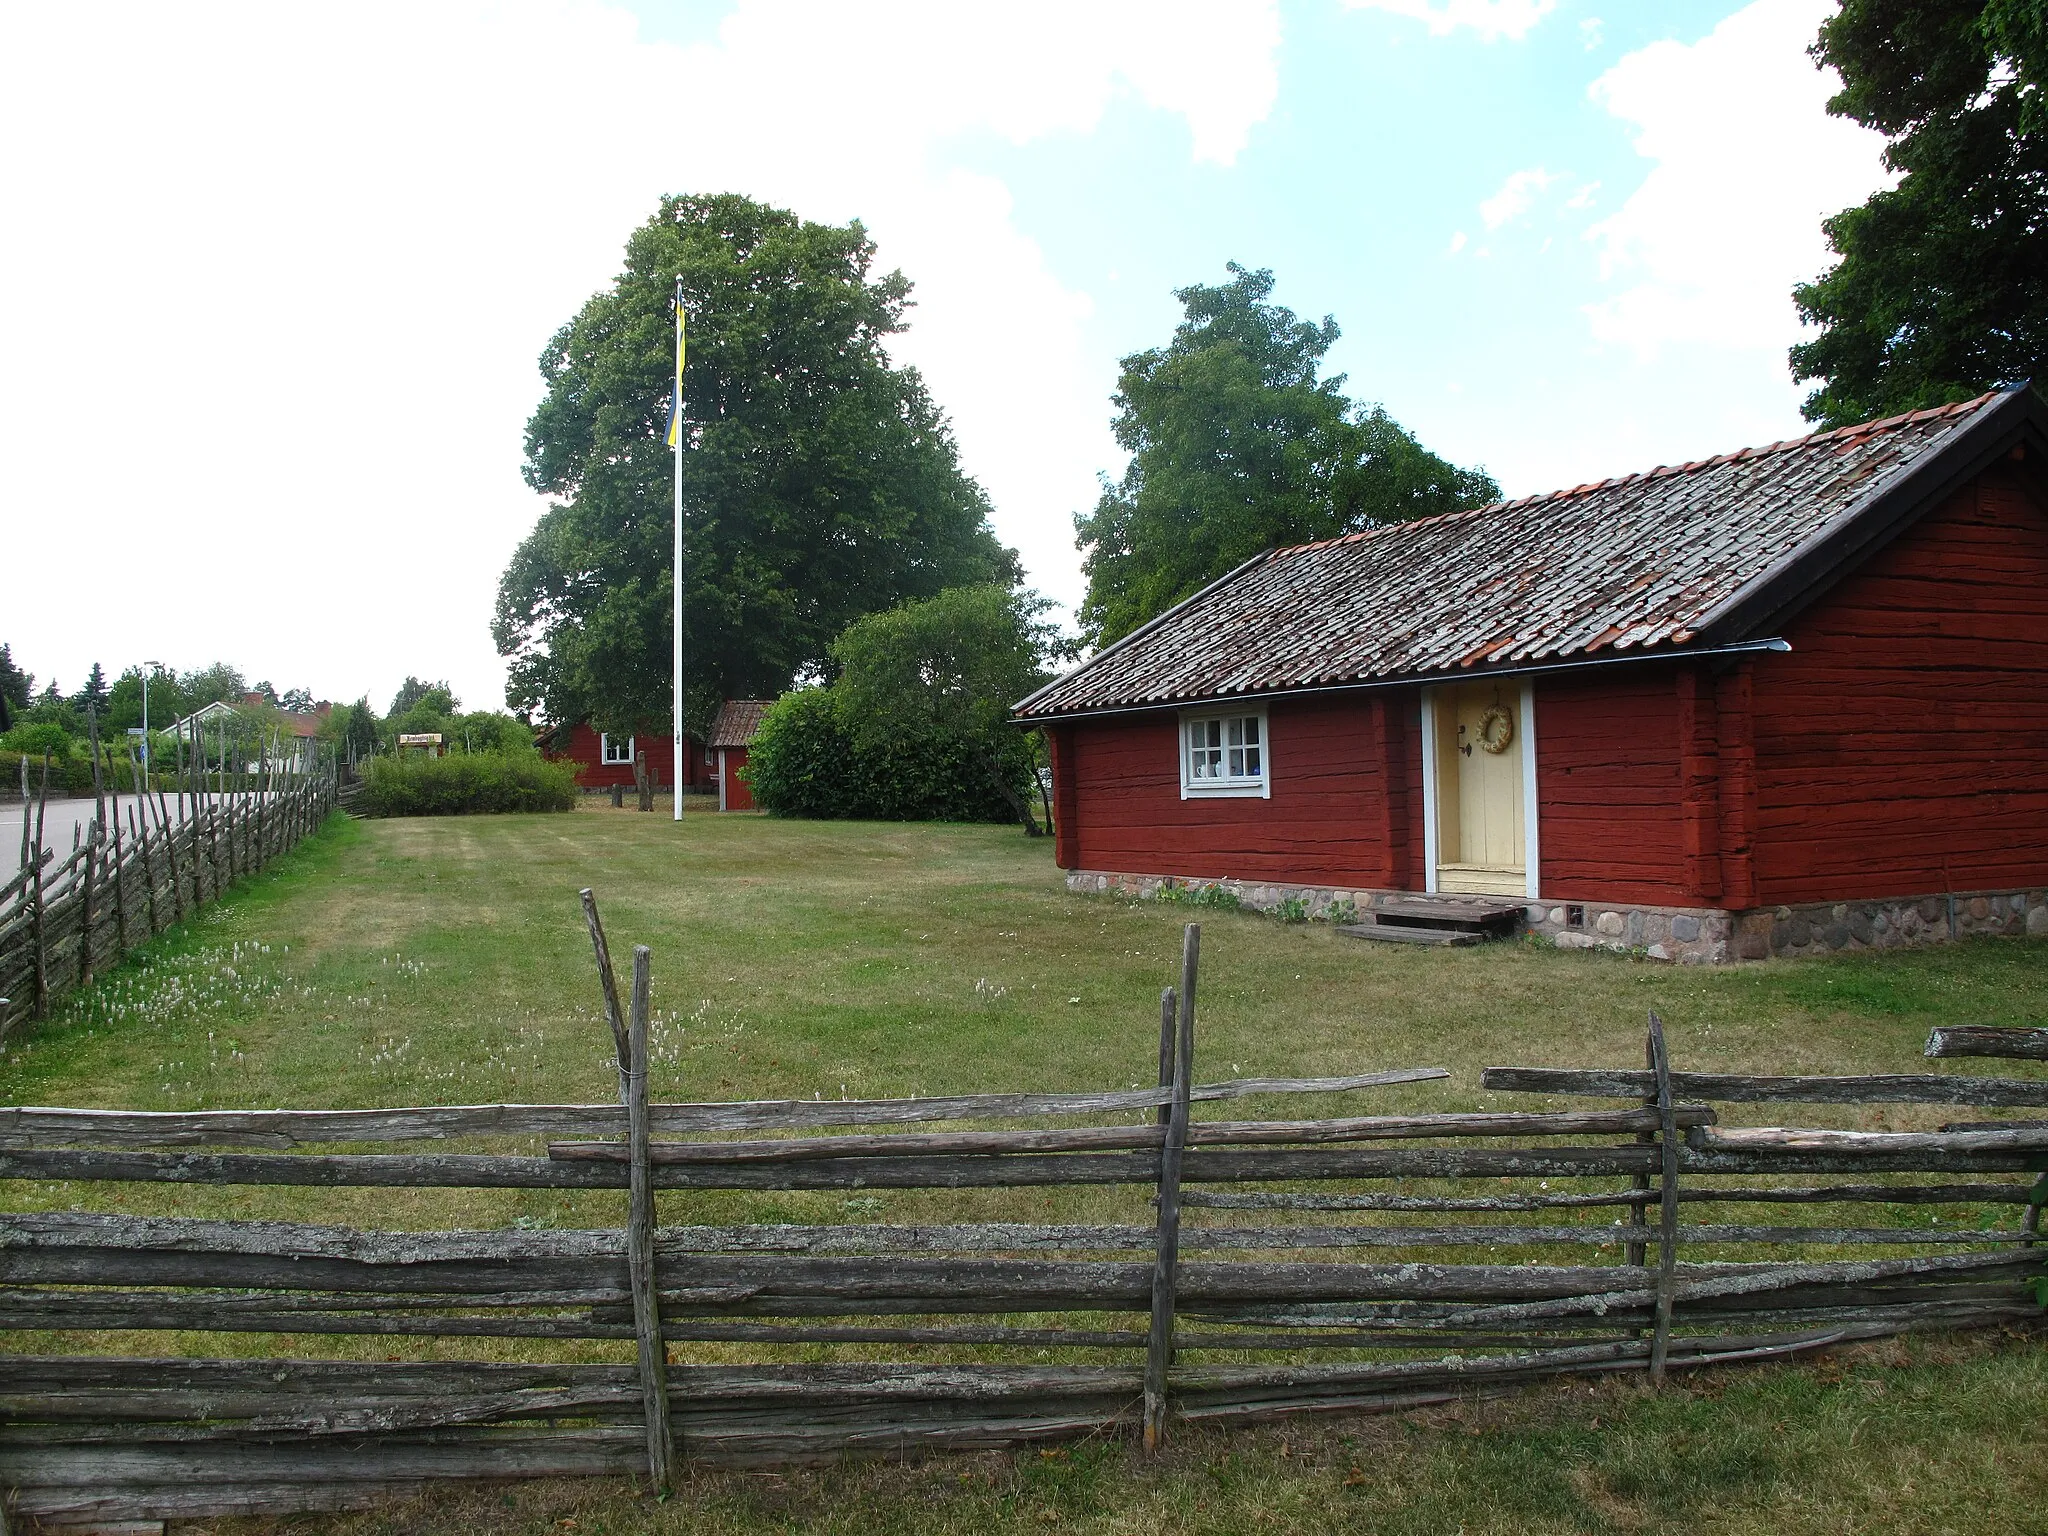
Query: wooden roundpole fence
point(640, 1240)
point(1667, 1233)
point(1166, 1251)
point(609, 981)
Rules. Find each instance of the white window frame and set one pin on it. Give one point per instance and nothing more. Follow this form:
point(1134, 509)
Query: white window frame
point(604, 752)
point(1241, 787)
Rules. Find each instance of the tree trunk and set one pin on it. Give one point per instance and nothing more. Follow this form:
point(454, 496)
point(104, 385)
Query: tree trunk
point(1009, 793)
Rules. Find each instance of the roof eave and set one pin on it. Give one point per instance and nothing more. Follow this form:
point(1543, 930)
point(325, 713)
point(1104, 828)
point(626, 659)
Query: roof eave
point(1887, 510)
point(1414, 680)
point(1144, 629)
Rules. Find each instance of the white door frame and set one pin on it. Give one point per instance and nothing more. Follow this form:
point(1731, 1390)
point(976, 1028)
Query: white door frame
point(721, 778)
point(1532, 863)
point(1429, 845)
point(1531, 842)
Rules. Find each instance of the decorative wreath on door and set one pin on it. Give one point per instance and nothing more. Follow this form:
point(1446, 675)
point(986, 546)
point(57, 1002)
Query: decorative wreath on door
point(1496, 729)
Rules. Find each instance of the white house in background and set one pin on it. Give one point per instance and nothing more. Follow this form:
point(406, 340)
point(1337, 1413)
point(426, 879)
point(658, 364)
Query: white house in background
point(298, 750)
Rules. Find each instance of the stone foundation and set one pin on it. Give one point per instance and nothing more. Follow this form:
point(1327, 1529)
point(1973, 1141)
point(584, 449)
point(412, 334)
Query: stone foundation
point(1683, 935)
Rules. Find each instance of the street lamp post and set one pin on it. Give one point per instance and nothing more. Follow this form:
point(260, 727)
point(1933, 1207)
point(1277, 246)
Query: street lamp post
point(146, 666)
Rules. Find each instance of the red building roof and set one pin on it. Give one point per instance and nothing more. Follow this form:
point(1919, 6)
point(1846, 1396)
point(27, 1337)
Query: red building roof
point(738, 722)
point(1684, 557)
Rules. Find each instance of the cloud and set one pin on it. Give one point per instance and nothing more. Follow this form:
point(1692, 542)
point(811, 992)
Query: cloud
point(1746, 164)
point(273, 336)
point(1491, 19)
point(1517, 195)
point(1457, 243)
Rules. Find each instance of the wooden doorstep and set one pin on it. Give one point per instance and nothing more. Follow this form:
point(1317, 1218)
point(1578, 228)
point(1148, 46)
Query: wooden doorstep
point(1442, 938)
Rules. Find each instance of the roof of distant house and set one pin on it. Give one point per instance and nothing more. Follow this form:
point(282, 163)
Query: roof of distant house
point(1681, 558)
point(738, 723)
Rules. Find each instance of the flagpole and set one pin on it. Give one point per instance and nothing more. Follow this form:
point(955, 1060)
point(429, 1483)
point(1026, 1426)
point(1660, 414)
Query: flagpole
point(676, 442)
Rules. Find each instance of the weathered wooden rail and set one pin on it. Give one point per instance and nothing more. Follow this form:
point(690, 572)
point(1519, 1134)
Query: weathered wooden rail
point(64, 918)
point(1346, 1263)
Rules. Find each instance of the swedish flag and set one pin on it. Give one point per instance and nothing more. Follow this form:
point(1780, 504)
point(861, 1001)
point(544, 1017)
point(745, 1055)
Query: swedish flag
point(675, 401)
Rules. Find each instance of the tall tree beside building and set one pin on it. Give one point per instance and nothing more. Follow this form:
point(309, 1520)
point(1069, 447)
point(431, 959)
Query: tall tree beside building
point(820, 481)
point(1237, 445)
point(1941, 289)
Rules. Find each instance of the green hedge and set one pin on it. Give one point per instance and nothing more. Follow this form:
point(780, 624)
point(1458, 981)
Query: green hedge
point(804, 763)
point(466, 784)
point(71, 776)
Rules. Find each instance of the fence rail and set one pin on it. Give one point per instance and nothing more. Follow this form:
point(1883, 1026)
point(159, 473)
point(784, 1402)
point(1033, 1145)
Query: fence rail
point(1346, 1263)
point(66, 917)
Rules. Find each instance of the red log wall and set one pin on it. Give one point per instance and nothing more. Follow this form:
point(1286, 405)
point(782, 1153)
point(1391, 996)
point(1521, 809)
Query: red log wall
point(1608, 787)
point(1330, 820)
point(584, 749)
point(1902, 746)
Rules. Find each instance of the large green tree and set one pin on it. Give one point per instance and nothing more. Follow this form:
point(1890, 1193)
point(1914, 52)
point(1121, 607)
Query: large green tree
point(1237, 445)
point(820, 482)
point(1941, 290)
point(949, 668)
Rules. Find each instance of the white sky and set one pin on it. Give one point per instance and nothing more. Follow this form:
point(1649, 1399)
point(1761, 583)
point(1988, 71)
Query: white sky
point(276, 276)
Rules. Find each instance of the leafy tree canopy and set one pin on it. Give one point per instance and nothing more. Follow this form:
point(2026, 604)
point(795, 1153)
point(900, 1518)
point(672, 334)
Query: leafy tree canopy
point(820, 482)
point(950, 666)
point(1941, 290)
point(217, 684)
point(167, 700)
point(1237, 445)
point(412, 691)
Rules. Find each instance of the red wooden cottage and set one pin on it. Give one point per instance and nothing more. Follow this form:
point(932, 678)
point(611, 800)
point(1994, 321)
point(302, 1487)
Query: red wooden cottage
point(603, 759)
point(1786, 699)
point(732, 736)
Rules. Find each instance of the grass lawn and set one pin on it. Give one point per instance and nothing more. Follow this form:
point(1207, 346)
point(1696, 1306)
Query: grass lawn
point(445, 961)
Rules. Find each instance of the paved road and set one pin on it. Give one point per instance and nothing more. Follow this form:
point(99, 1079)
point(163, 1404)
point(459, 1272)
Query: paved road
point(58, 821)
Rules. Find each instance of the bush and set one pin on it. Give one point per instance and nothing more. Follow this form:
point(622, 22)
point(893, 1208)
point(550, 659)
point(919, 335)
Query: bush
point(39, 738)
point(466, 784)
point(804, 763)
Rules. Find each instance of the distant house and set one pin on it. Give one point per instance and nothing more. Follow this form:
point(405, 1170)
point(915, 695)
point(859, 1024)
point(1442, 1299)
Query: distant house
point(732, 736)
point(298, 750)
point(604, 759)
point(1793, 698)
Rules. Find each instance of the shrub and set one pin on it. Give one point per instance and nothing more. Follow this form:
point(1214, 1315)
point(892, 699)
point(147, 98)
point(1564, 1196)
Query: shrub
point(804, 762)
point(466, 784)
point(38, 738)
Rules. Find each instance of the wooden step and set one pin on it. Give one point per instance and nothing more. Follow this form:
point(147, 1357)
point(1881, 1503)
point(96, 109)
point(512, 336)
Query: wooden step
point(1390, 933)
point(1494, 919)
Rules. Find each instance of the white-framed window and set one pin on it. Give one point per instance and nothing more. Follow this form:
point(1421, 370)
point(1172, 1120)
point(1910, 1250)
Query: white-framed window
point(615, 751)
point(1225, 752)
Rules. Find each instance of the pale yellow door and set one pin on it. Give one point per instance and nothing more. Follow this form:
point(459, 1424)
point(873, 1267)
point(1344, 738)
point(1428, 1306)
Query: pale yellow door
point(1479, 790)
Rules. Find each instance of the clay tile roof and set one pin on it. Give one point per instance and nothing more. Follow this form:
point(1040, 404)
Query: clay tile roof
point(1640, 564)
point(738, 722)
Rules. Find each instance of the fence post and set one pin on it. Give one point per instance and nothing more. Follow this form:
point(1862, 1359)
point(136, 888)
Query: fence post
point(1166, 1249)
point(1169, 1025)
point(640, 1241)
point(39, 917)
point(610, 982)
point(1667, 1232)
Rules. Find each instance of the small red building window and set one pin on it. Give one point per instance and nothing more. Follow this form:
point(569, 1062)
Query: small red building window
point(614, 750)
point(1223, 754)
